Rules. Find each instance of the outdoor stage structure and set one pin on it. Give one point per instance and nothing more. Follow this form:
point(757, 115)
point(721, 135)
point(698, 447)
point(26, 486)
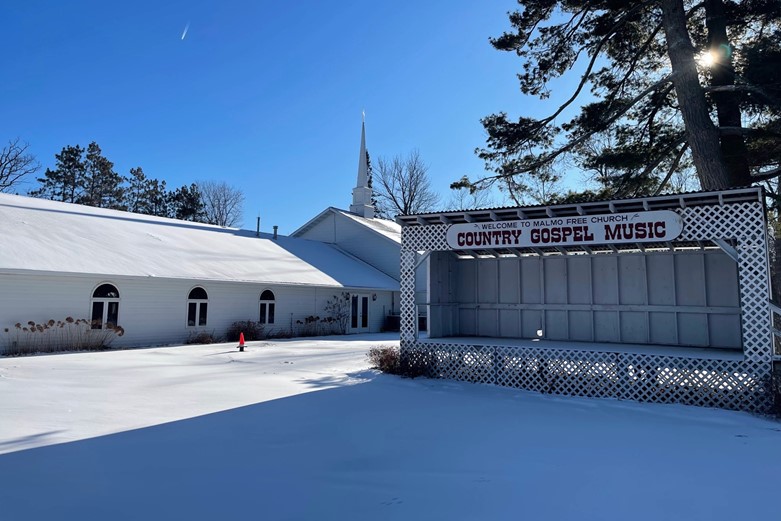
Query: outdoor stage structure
point(658, 299)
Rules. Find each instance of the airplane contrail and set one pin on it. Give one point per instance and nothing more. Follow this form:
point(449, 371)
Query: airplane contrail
point(186, 27)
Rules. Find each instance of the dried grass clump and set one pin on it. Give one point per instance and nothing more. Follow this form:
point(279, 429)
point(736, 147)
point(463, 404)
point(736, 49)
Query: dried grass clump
point(53, 336)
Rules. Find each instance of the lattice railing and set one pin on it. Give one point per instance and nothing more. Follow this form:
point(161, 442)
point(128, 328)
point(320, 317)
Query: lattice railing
point(641, 377)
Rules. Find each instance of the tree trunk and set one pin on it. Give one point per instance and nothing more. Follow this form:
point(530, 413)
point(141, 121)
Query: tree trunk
point(702, 135)
point(733, 147)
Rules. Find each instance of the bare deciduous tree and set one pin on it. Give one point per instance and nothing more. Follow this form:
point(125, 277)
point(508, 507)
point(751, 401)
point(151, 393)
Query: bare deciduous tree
point(223, 204)
point(16, 164)
point(402, 185)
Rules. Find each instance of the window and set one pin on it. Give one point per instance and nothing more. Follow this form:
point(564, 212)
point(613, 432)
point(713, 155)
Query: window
point(266, 307)
point(197, 307)
point(105, 307)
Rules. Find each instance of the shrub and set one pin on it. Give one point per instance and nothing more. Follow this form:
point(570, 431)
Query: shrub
point(71, 334)
point(201, 337)
point(388, 360)
point(252, 331)
point(416, 363)
point(775, 389)
point(384, 358)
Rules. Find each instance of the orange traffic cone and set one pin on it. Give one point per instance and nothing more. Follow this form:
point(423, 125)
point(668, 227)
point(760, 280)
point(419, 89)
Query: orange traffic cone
point(241, 341)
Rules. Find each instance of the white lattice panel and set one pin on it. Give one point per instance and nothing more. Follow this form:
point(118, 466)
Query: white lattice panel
point(652, 378)
point(408, 324)
point(426, 238)
point(727, 384)
point(744, 222)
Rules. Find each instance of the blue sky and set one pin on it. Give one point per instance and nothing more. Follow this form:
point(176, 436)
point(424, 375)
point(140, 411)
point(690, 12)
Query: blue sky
point(266, 96)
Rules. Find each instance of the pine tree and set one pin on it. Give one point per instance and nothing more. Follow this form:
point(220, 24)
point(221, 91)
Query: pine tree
point(65, 182)
point(186, 203)
point(158, 199)
point(137, 191)
point(145, 195)
point(102, 185)
point(676, 84)
point(379, 211)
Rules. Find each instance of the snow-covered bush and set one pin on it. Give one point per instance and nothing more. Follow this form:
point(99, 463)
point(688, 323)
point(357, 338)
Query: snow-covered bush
point(71, 334)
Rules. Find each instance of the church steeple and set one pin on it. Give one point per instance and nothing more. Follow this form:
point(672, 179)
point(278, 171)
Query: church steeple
point(362, 194)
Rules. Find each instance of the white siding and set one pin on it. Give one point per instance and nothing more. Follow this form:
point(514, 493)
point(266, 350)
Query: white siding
point(360, 241)
point(154, 311)
point(324, 230)
point(369, 246)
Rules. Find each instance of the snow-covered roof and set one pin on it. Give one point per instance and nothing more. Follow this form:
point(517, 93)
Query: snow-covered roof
point(50, 236)
point(388, 229)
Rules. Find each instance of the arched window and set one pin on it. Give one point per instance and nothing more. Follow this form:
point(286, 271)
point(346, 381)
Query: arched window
point(105, 307)
point(197, 307)
point(266, 307)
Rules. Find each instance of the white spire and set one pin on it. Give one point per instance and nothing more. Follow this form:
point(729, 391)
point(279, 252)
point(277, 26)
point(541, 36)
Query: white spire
point(363, 165)
point(362, 194)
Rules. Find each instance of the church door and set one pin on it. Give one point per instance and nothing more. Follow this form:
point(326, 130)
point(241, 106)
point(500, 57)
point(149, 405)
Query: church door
point(359, 313)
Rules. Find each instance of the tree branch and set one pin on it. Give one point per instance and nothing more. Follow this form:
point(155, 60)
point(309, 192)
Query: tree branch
point(637, 56)
point(766, 176)
point(672, 169)
point(572, 144)
point(744, 131)
point(585, 77)
point(744, 88)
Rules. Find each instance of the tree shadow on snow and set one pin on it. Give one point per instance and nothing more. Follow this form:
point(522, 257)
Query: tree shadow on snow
point(381, 447)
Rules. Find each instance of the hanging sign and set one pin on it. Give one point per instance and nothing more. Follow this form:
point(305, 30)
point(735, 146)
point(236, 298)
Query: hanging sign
point(613, 228)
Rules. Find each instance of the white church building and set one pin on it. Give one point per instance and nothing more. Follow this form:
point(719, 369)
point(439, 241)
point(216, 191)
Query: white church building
point(357, 231)
point(164, 280)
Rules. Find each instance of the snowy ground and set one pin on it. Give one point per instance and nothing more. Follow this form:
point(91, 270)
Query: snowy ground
point(301, 429)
